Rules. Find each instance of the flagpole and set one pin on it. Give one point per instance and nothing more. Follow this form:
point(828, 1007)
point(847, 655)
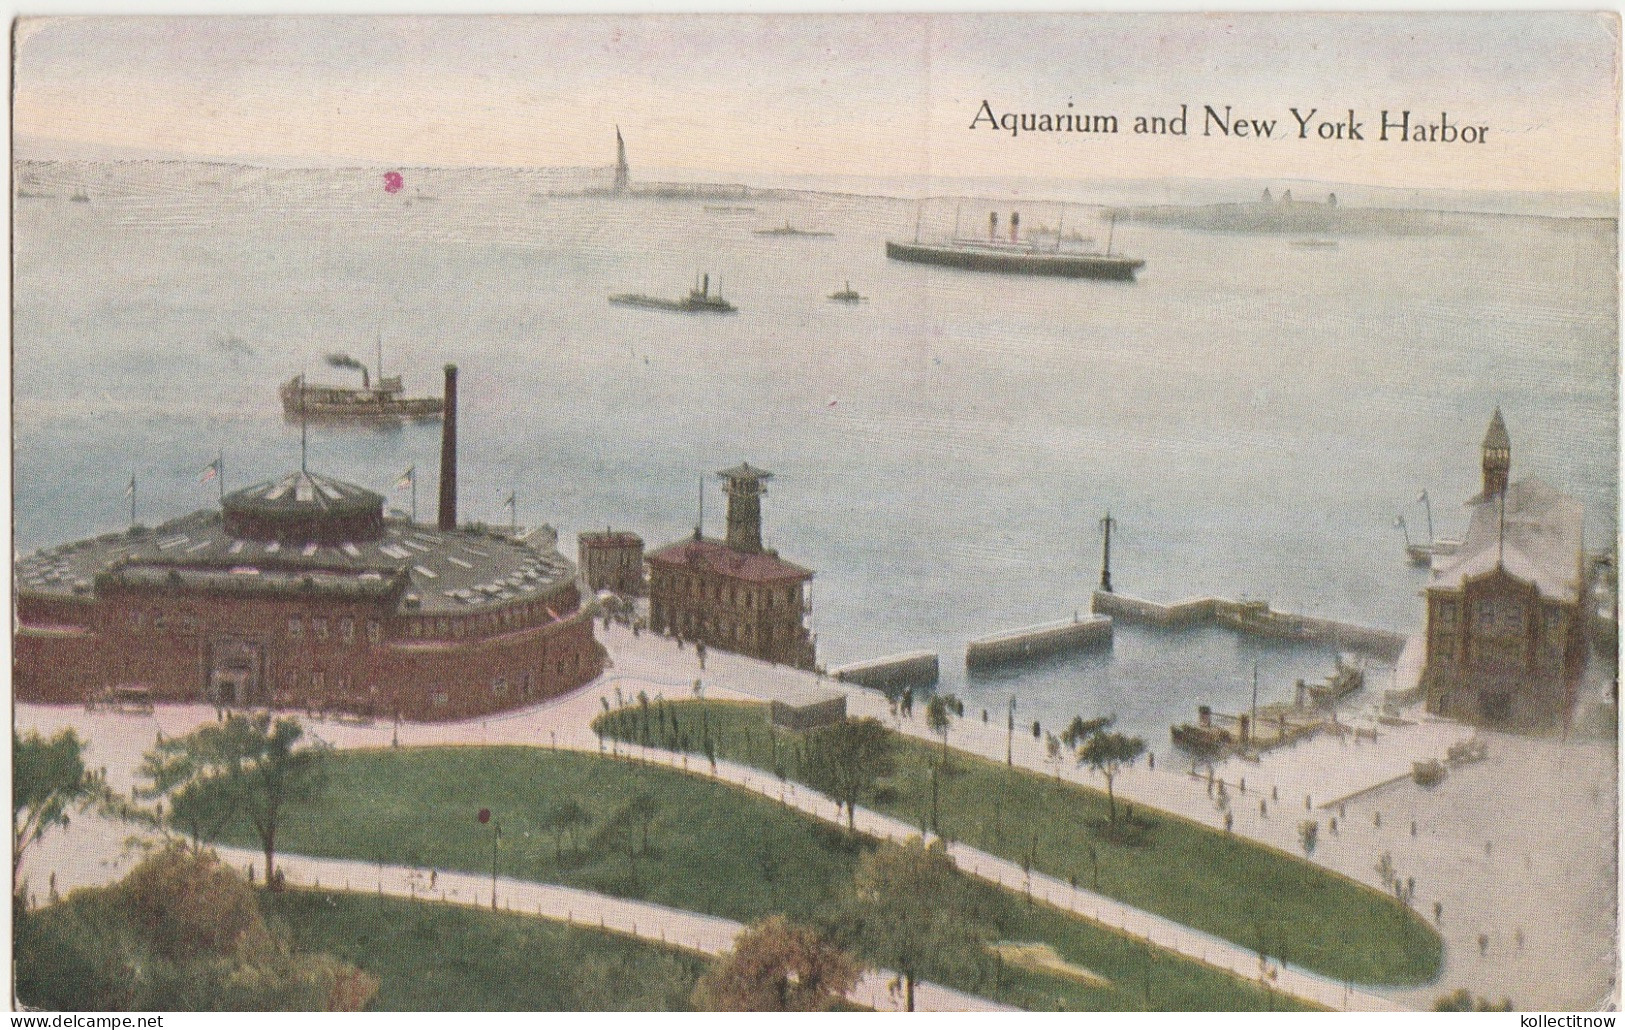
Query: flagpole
point(132, 500)
point(220, 472)
point(414, 495)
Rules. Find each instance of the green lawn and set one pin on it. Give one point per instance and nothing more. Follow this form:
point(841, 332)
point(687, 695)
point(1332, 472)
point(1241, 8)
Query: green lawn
point(429, 956)
point(712, 848)
point(1199, 876)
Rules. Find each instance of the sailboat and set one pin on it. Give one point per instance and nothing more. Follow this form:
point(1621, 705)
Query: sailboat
point(1423, 554)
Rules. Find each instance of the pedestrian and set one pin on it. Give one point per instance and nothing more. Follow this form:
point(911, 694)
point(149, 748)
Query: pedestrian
point(1275, 793)
point(1262, 811)
point(1334, 824)
point(434, 874)
point(1376, 818)
point(1151, 760)
point(1486, 848)
point(1438, 912)
point(1483, 944)
point(1413, 827)
point(1229, 821)
point(1518, 936)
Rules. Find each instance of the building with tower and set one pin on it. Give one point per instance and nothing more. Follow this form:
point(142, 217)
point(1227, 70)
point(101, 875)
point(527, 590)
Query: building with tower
point(1506, 619)
point(298, 593)
point(733, 594)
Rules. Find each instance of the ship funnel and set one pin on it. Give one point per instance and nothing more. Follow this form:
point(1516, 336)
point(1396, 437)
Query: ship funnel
point(1015, 226)
point(993, 225)
point(448, 454)
point(705, 285)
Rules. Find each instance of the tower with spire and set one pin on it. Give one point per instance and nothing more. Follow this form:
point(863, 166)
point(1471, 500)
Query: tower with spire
point(1497, 456)
point(1509, 610)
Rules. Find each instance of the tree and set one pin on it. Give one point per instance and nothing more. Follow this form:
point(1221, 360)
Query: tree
point(49, 780)
point(911, 910)
point(566, 817)
point(245, 767)
point(182, 931)
point(1079, 729)
point(1308, 836)
point(938, 716)
point(1107, 753)
point(642, 809)
point(777, 966)
point(848, 760)
point(1463, 1001)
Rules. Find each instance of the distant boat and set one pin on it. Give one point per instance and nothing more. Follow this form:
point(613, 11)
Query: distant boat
point(789, 230)
point(1420, 553)
point(80, 197)
point(729, 209)
point(1316, 244)
point(700, 298)
point(1017, 256)
point(848, 295)
point(1016, 259)
point(381, 405)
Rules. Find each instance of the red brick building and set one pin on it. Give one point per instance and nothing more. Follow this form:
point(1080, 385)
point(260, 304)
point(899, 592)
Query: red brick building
point(1506, 624)
point(733, 594)
point(298, 593)
point(611, 561)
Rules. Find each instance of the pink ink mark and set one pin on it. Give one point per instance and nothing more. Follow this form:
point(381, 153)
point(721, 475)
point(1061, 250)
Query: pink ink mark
point(392, 182)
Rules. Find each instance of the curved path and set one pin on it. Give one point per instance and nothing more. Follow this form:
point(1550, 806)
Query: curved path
point(692, 931)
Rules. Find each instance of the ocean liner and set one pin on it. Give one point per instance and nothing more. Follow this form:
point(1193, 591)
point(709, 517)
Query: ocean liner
point(1016, 256)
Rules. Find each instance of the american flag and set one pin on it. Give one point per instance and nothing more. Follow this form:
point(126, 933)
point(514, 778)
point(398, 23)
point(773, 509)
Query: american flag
point(210, 470)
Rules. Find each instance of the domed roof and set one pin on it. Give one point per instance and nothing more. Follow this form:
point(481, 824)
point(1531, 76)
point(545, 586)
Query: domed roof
point(304, 505)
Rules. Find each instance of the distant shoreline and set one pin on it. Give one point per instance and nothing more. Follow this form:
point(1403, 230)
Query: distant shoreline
point(1230, 215)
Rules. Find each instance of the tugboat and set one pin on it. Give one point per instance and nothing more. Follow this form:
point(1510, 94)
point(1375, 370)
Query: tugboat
point(848, 295)
point(1203, 739)
point(381, 405)
point(700, 298)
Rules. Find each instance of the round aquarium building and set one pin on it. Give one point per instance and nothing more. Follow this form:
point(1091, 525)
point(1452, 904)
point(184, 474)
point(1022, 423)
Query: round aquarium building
point(299, 593)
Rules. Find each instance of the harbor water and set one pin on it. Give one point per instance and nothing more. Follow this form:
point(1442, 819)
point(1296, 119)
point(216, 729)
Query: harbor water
point(1254, 414)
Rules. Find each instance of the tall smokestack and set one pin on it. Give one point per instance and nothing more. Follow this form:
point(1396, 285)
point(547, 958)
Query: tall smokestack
point(448, 454)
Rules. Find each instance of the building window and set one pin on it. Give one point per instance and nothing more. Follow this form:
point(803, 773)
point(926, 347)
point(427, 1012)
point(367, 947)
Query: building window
point(375, 631)
point(530, 683)
point(1446, 612)
point(499, 687)
point(458, 629)
point(296, 629)
point(318, 680)
point(441, 699)
point(1484, 616)
point(443, 626)
point(415, 628)
point(347, 630)
point(318, 628)
point(135, 620)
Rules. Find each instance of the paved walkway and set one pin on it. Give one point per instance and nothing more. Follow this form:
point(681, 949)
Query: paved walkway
point(708, 935)
point(1549, 937)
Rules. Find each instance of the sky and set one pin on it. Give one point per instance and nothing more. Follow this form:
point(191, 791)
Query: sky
point(882, 95)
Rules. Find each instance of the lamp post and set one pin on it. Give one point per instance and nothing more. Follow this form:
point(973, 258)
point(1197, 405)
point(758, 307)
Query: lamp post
point(496, 839)
point(1010, 735)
